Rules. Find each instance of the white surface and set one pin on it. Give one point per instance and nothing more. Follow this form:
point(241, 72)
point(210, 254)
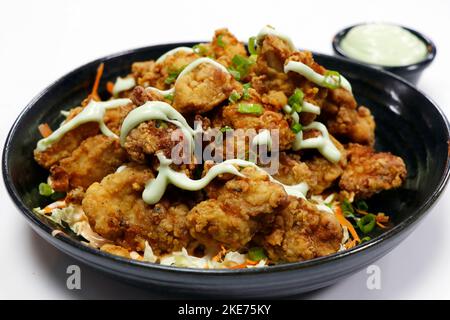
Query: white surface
point(42, 40)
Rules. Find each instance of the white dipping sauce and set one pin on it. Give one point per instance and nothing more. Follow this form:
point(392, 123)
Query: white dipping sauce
point(383, 44)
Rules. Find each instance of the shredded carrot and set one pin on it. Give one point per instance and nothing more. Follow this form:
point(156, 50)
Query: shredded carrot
point(45, 130)
point(94, 93)
point(239, 266)
point(48, 209)
point(251, 262)
point(220, 255)
point(350, 244)
point(382, 226)
point(345, 223)
point(382, 218)
point(110, 87)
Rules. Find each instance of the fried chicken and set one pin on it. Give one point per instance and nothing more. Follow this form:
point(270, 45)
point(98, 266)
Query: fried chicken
point(369, 172)
point(117, 212)
point(302, 232)
point(234, 210)
point(203, 88)
point(95, 158)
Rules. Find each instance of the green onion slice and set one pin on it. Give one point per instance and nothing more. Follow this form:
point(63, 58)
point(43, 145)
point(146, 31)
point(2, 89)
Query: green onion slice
point(332, 79)
point(45, 189)
point(252, 45)
point(296, 127)
point(226, 128)
point(234, 96)
point(362, 205)
point(250, 108)
point(347, 209)
point(220, 42)
point(246, 94)
point(367, 223)
point(256, 254)
point(296, 100)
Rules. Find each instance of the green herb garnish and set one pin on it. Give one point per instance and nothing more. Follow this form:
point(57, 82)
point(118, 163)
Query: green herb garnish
point(169, 97)
point(226, 128)
point(256, 254)
point(234, 96)
point(250, 108)
point(332, 79)
point(220, 42)
point(252, 45)
point(367, 223)
point(200, 49)
point(242, 65)
point(296, 127)
point(246, 94)
point(347, 209)
point(362, 205)
point(296, 100)
point(45, 189)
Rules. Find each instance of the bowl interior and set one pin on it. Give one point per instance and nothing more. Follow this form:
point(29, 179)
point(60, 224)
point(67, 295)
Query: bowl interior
point(408, 125)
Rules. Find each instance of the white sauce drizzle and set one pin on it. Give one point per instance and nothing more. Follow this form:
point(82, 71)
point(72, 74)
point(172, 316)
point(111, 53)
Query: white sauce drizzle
point(315, 77)
point(194, 64)
point(322, 143)
point(93, 112)
point(267, 30)
point(157, 110)
point(155, 188)
point(123, 84)
point(173, 51)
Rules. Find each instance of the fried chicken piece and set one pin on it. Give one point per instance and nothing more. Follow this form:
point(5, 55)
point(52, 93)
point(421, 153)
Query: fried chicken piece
point(203, 88)
point(292, 171)
point(233, 213)
point(302, 232)
point(95, 158)
point(117, 212)
point(155, 74)
point(66, 145)
point(324, 173)
point(114, 117)
point(369, 172)
point(269, 120)
point(225, 46)
point(150, 137)
point(345, 120)
point(140, 95)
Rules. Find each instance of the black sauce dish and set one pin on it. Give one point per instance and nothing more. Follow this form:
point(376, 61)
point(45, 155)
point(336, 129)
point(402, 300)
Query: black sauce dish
point(409, 124)
point(411, 72)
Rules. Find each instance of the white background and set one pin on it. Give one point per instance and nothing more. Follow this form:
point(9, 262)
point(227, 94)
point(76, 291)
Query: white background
point(42, 40)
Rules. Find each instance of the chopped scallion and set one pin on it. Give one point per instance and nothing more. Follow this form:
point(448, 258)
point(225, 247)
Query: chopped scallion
point(250, 108)
point(296, 100)
point(234, 96)
point(296, 127)
point(252, 45)
point(256, 254)
point(220, 42)
point(332, 79)
point(367, 223)
point(45, 189)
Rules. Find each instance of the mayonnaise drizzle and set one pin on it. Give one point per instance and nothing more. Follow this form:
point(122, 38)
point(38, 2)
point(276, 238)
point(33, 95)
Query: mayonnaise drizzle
point(267, 30)
point(93, 112)
point(322, 143)
point(315, 77)
point(173, 51)
point(155, 188)
point(123, 84)
point(194, 64)
point(157, 110)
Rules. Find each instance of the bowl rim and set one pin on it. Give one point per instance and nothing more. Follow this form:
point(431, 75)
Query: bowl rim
point(84, 249)
point(422, 64)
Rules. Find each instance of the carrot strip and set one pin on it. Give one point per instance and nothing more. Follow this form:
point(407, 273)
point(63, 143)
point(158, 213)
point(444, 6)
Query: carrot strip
point(94, 93)
point(382, 226)
point(344, 222)
point(110, 87)
point(45, 130)
point(238, 266)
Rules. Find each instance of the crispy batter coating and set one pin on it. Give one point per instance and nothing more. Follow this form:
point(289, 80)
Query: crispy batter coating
point(369, 172)
point(148, 138)
point(270, 120)
point(292, 171)
point(203, 88)
point(151, 73)
point(117, 212)
point(66, 145)
point(95, 158)
point(225, 46)
point(232, 215)
point(301, 232)
point(345, 120)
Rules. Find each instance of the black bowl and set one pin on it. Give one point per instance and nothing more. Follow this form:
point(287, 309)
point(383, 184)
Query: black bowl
point(408, 123)
point(410, 72)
